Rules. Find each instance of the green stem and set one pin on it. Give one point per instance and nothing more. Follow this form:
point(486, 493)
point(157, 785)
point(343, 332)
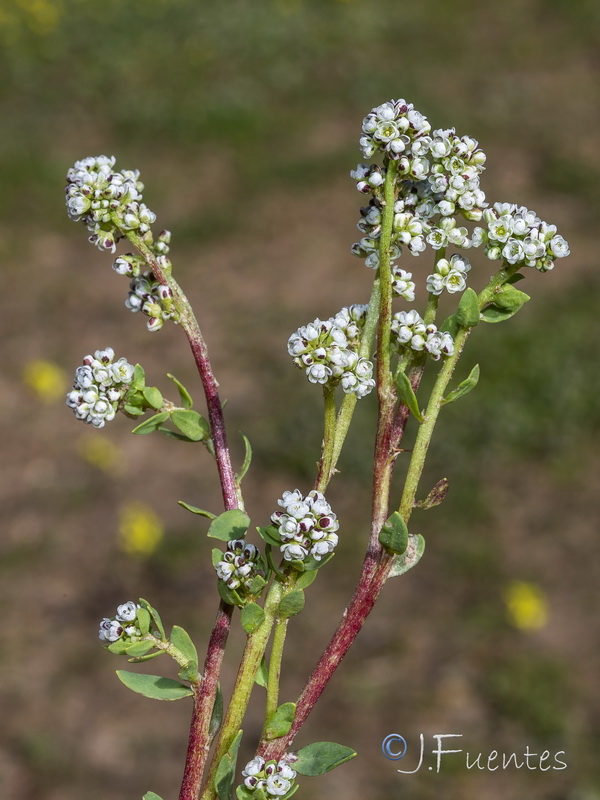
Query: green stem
point(275, 659)
point(326, 462)
point(251, 658)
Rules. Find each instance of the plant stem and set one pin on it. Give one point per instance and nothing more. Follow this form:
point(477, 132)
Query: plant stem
point(326, 462)
point(205, 693)
point(251, 658)
point(189, 323)
point(275, 659)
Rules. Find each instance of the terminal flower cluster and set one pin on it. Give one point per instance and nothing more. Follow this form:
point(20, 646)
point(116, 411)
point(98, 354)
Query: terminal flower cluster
point(307, 526)
point(450, 274)
point(106, 201)
point(99, 387)
point(122, 626)
point(274, 778)
point(239, 565)
point(327, 351)
point(412, 332)
point(520, 237)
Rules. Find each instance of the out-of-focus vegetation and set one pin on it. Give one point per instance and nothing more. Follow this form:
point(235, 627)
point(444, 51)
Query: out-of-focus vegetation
point(243, 118)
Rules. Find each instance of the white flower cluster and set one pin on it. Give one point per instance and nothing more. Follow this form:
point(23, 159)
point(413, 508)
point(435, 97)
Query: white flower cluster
point(154, 299)
point(99, 386)
point(457, 163)
point(239, 564)
point(121, 626)
point(106, 201)
point(275, 778)
point(327, 351)
point(402, 285)
point(307, 525)
point(396, 128)
point(450, 274)
point(520, 237)
point(412, 332)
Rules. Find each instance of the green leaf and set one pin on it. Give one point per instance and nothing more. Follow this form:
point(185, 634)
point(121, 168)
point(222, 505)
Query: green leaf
point(151, 796)
point(464, 387)
point(133, 411)
point(244, 793)
point(151, 424)
point(256, 585)
point(518, 276)
point(410, 557)
point(119, 648)
point(216, 556)
point(143, 619)
point(225, 775)
point(262, 674)
point(510, 298)
point(306, 579)
point(270, 535)
point(189, 672)
point(321, 757)
point(216, 717)
point(191, 424)
point(153, 397)
point(291, 604)
point(394, 534)
point(186, 399)
point(253, 617)
point(155, 616)
point(467, 313)
point(281, 721)
point(181, 639)
point(138, 649)
point(247, 459)
point(149, 657)
point(154, 686)
point(229, 525)
point(407, 395)
point(139, 378)
point(227, 595)
point(435, 496)
point(195, 510)
point(311, 562)
point(450, 325)
point(506, 302)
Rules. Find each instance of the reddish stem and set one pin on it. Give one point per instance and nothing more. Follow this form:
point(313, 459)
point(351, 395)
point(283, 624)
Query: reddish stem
point(204, 698)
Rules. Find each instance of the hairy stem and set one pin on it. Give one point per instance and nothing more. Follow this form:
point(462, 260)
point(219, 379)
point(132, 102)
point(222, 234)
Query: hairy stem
point(326, 461)
point(253, 654)
point(275, 659)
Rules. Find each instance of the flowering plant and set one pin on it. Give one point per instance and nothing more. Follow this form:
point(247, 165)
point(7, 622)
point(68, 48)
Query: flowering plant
point(422, 187)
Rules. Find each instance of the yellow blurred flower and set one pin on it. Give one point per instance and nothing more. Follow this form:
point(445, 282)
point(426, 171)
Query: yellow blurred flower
point(140, 530)
point(46, 379)
point(100, 452)
point(526, 605)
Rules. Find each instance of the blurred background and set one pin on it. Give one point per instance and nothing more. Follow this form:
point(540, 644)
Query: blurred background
point(244, 118)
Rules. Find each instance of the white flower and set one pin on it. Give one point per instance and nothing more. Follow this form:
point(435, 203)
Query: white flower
point(277, 785)
point(127, 611)
point(254, 767)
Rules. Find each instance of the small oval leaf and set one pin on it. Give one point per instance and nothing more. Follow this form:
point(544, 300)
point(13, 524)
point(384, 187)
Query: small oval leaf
point(407, 396)
point(464, 387)
point(194, 510)
point(154, 686)
point(253, 617)
point(282, 720)
point(436, 496)
point(151, 796)
point(394, 534)
point(151, 424)
point(153, 397)
point(181, 639)
point(467, 313)
point(191, 424)
point(321, 757)
point(410, 557)
point(291, 604)
point(229, 525)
